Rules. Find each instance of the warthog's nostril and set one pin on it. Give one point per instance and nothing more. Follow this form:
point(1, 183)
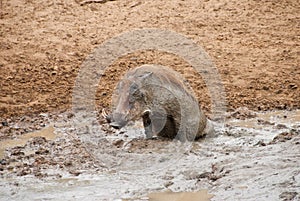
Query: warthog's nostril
point(115, 125)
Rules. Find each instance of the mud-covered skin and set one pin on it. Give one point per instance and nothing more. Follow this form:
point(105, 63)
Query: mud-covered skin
point(160, 97)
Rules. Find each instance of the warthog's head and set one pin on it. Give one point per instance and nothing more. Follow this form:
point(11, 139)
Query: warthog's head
point(128, 102)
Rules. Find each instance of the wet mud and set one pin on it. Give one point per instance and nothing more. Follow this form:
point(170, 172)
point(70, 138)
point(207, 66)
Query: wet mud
point(254, 156)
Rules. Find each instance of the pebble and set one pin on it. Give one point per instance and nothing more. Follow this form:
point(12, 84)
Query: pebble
point(169, 183)
point(4, 123)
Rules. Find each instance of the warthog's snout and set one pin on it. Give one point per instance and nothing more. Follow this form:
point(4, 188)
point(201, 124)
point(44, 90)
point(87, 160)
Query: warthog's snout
point(116, 125)
point(117, 120)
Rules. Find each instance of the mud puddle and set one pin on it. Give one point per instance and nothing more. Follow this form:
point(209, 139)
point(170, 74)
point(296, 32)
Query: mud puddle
point(186, 196)
point(264, 126)
point(253, 157)
point(276, 119)
point(177, 196)
point(47, 132)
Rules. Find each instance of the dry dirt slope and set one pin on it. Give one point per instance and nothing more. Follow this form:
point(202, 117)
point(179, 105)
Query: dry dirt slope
point(255, 45)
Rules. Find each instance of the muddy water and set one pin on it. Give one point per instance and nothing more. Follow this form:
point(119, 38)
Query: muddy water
point(271, 118)
point(185, 196)
point(47, 132)
point(243, 162)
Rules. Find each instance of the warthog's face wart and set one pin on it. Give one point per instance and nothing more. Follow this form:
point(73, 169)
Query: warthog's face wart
point(126, 104)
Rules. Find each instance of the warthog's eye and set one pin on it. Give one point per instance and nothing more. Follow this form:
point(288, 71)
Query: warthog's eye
point(134, 93)
point(133, 88)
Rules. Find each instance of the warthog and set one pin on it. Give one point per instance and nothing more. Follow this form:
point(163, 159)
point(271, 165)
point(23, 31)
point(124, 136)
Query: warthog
point(163, 100)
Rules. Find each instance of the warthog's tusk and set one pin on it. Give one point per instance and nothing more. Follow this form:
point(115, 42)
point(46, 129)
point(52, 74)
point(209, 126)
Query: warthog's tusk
point(146, 112)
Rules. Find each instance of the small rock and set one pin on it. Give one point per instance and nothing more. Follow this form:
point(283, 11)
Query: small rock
point(4, 123)
point(74, 172)
point(3, 162)
point(243, 113)
point(24, 172)
point(260, 143)
point(68, 163)
point(38, 140)
point(293, 86)
point(265, 88)
point(118, 143)
point(168, 177)
point(16, 152)
point(288, 195)
point(169, 183)
point(44, 115)
point(281, 126)
point(70, 115)
point(42, 151)
point(283, 137)
point(264, 122)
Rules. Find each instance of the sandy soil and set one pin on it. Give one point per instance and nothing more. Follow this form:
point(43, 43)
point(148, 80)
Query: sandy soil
point(255, 46)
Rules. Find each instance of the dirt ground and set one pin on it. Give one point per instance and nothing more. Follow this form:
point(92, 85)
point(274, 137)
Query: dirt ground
point(255, 47)
point(254, 44)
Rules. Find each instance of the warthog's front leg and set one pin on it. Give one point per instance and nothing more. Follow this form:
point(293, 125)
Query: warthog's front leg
point(158, 123)
point(147, 124)
point(153, 123)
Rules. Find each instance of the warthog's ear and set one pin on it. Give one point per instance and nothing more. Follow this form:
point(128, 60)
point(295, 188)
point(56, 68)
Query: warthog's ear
point(148, 74)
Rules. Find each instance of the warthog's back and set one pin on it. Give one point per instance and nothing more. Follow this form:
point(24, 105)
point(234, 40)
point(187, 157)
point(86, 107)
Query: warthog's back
point(161, 75)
